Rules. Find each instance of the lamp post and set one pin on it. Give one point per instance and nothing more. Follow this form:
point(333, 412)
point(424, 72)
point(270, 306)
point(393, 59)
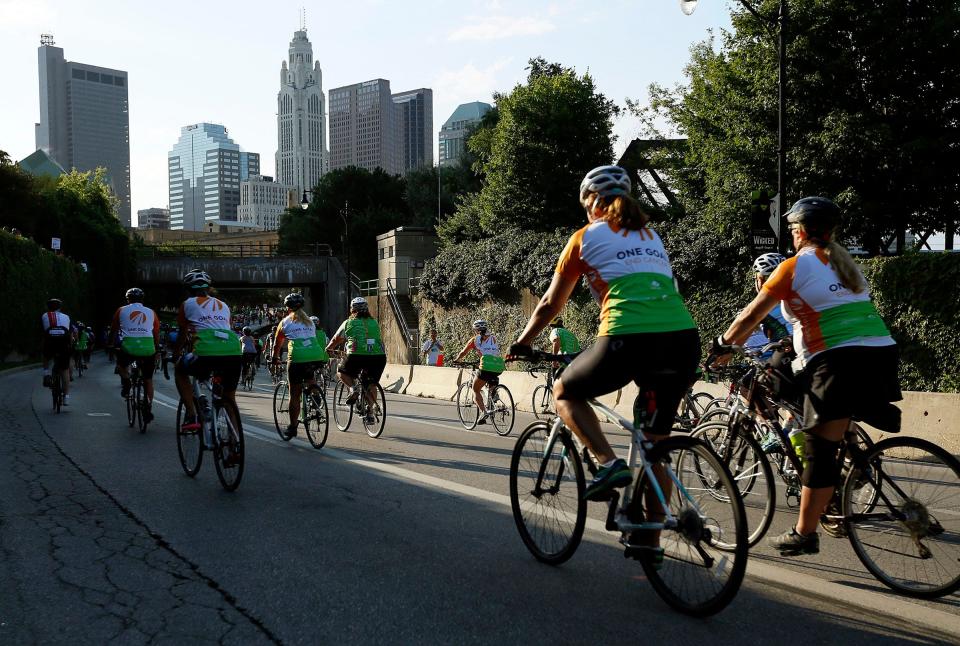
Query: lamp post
point(780, 23)
point(305, 204)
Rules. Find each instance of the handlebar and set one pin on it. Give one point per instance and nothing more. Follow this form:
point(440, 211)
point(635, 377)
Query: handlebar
point(538, 356)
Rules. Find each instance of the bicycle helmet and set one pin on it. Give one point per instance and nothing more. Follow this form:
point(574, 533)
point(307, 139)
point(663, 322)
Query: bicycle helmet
point(765, 264)
point(315, 320)
point(135, 295)
point(817, 212)
point(480, 326)
point(247, 331)
point(556, 322)
point(196, 279)
point(605, 181)
point(294, 301)
point(359, 304)
point(54, 304)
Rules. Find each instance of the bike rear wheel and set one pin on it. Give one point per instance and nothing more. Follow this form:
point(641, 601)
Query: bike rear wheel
point(546, 494)
point(705, 555)
point(466, 406)
point(56, 390)
point(902, 514)
point(543, 402)
point(377, 414)
point(342, 411)
point(316, 422)
point(131, 408)
point(189, 445)
point(503, 410)
point(228, 451)
point(281, 409)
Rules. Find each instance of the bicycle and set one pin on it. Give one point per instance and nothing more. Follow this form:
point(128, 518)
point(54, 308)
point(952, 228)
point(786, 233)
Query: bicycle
point(78, 362)
point(56, 389)
point(880, 503)
point(136, 399)
point(542, 402)
point(314, 414)
point(499, 405)
point(374, 415)
point(249, 375)
point(217, 433)
point(691, 543)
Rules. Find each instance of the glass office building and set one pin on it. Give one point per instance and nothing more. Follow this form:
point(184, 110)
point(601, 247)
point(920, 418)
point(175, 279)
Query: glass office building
point(205, 168)
point(454, 130)
point(414, 122)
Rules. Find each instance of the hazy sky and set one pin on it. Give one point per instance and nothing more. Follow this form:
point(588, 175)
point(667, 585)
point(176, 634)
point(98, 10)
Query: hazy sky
point(220, 62)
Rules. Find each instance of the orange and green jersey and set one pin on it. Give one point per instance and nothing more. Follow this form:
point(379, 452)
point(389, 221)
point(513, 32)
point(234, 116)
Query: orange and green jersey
point(138, 327)
point(630, 277)
point(209, 320)
point(825, 314)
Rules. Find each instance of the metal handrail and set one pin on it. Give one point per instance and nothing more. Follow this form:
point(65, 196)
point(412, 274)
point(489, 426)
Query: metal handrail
point(230, 250)
point(398, 312)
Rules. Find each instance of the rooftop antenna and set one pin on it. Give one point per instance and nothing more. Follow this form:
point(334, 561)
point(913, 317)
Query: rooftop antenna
point(303, 19)
point(46, 40)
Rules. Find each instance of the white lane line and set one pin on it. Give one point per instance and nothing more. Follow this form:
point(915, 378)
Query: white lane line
point(872, 602)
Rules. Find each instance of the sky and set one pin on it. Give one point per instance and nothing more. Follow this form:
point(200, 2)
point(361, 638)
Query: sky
point(220, 61)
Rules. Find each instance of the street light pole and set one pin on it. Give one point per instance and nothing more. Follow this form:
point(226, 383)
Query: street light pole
point(346, 243)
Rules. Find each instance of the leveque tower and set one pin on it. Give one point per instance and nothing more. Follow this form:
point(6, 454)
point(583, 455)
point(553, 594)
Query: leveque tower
point(301, 140)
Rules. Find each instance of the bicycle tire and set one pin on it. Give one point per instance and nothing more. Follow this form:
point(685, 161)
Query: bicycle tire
point(228, 440)
point(504, 410)
point(543, 402)
point(751, 472)
point(907, 470)
point(375, 429)
point(547, 539)
point(467, 409)
point(189, 445)
point(281, 409)
point(56, 390)
point(342, 411)
point(131, 408)
point(79, 365)
point(726, 539)
point(141, 404)
point(316, 422)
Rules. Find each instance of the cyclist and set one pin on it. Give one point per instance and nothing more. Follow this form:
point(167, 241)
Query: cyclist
point(360, 334)
point(91, 339)
point(305, 354)
point(646, 334)
point(562, 339)
point(491, 363)
point(81, 347)
point(137, 329)
point(57, 342)
point(850, 360)
point(249, 349)
point(204, 321)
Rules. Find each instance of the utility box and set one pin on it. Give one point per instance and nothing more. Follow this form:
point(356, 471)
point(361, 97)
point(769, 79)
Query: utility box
point(401, 254)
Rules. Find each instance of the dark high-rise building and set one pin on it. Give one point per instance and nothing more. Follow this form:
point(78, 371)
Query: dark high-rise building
point(414, 124)
point(85, 120)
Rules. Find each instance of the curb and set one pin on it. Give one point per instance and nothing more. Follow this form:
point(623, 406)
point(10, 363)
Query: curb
point(13, 371)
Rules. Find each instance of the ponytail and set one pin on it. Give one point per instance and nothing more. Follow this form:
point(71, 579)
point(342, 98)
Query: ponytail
point(846, 268)
point(301, 317)
point(623, 212)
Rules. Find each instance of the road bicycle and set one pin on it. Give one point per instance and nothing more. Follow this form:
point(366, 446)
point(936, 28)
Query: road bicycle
point(56, 388)
point(136, 399)
point(897, 500)
point(542, 402)
point(347, 401)
point(249, 375)
point(78, 362)
point(690, 540)
point(314, 414)
point(500, 409)
point(220, 433)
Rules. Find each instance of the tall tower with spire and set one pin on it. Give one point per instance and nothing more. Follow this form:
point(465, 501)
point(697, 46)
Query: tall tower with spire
point(301, 140)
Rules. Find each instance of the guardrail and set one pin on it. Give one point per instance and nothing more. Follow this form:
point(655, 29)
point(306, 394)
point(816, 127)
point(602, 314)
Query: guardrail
point(229, 250)
point(408, 332)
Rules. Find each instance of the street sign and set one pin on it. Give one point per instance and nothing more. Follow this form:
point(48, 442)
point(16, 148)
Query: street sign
point(763, 236)
point(55, 244)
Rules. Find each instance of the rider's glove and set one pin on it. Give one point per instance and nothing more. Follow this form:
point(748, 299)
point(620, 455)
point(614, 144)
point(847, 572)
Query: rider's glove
point(520, 351)
point(718, 349)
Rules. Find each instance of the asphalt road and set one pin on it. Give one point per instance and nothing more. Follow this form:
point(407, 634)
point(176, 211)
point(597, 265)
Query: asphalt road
point(403, 539)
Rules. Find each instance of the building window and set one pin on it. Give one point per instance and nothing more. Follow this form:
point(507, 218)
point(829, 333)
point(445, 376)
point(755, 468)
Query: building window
point(390, 250)
point(78, 74)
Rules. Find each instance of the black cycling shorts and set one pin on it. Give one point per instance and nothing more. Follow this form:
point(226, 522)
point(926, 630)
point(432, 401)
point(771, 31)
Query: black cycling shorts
point(661, 363)
point(227, 368)
point(303, 371)
point(849, 382)
point(372, 363)
point(58, 349)
point(147, 364)
point(487, 376)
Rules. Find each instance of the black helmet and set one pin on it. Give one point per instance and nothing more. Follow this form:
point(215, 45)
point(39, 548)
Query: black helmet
point(196, 279)
point(54, 304)
point(294, 301)
point(135, 295)
point(818, 213)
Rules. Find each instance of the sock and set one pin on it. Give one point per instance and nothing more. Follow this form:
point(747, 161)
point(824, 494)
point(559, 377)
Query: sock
point(607, 465)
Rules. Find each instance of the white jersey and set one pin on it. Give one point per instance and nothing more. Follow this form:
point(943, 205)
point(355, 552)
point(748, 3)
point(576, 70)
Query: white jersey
point(136, 320)
point(56, 323)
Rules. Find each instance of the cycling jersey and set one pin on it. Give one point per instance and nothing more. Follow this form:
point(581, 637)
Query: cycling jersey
point(56, 324)
point(137, 325)
point(362, 335)
point(82, 341)
point(249, 344)
point(825, 314)
point(490, 359)
point(209, 319)
point(629, 275)
point(302, 342)
point(568, 342)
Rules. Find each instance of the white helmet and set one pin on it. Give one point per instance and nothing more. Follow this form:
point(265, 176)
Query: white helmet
point(605, 181)
point(359, 304)
point(765, 264)
point(315, 320)
point(196, 279)
point(480, 325)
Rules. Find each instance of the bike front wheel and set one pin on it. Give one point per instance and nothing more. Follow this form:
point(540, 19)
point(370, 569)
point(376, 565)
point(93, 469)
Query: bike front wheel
point(131, 408)
point(704, 556)
point(316, 421)
point(901, 507)
point(342, 411)
point(376, 415)
point(546, 494)
point(141, 406)
point(503, 410)
point(228, 447)
point(467, 406)
point(189, 445)
point(281, 409)
point(543, 402)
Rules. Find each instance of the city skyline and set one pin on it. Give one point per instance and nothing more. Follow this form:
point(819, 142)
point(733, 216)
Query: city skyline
point(464, 52)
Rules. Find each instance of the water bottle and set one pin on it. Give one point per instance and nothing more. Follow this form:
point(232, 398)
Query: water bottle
point(798, 441)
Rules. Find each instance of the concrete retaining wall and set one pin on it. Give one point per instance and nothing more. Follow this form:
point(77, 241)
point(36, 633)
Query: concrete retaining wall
point(430, 381)
point(396, 377)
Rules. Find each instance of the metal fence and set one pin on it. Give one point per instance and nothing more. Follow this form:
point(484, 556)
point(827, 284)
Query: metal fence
point(229, 250)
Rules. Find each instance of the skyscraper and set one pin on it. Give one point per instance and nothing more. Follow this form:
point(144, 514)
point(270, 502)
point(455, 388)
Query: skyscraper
point(263, 201)
point(362, 127)
point(454, 130)
point(84, 119)
point(414, 123)
point(301, 144)
point(204, 170)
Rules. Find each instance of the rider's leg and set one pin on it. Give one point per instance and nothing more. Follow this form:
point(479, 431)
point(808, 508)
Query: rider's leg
point(185, 389)
point(580, 418)
point(478, 385)
point(814, 499)
point(295, 390)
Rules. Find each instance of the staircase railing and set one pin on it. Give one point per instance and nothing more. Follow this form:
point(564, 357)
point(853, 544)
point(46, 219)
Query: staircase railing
point(408, 332)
